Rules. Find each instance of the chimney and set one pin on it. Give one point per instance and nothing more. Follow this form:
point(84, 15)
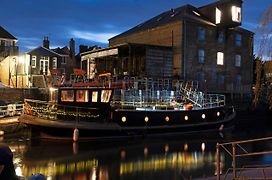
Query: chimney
point(46, 42)
point(83, 48)
point(72, 46)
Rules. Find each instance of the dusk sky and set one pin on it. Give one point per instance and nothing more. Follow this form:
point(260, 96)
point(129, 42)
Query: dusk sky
point(93, 22)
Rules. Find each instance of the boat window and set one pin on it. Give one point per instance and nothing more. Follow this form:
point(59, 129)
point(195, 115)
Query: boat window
point(67, 95)
point(105, 95)
point(94, 96)
point(82, 96)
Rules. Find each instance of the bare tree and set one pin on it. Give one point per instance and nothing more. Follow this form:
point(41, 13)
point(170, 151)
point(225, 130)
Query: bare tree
point(264, 33)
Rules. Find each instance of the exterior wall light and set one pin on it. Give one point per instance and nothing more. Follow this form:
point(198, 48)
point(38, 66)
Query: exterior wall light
point(203, 116)
point(186, 118)
point(124, 119)
point(146, 119)
point(218, 113)
point(167, 119)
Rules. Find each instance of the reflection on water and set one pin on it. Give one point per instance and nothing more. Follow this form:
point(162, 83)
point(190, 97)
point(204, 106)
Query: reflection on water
point(134, 159)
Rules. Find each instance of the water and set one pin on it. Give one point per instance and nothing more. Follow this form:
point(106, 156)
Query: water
point(172, 157)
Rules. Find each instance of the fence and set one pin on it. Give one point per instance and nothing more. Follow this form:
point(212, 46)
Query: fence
point(236, 150)
point(11, 110)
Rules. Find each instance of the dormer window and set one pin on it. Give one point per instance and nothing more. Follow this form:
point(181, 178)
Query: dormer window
point(217, 16)
point(236, 13)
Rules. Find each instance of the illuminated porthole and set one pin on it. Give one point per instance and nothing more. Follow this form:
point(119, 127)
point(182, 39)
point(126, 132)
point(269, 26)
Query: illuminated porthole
point(167, 118)
point(203, 116)
point(186, 118)
point(146, 119)
point(124, 119)
point(218, 113)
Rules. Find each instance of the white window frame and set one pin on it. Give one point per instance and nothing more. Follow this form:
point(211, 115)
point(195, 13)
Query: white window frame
point(220, 58)
point(218, 15)
point(201, 56)
point(238, 60)
point(55, 63)
point(236, 14)
point(43, 60)
point(34, 59)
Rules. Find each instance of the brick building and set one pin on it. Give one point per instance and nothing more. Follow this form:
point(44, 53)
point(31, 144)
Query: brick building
point(207, 45)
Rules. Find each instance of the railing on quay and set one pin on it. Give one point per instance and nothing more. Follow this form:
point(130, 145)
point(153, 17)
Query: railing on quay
point(11, 110)
point(236, 150)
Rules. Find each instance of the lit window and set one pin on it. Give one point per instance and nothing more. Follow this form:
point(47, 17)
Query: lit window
point(236, 13)
point(238, 39)
point(220, 58)
point(33, 61)
point(237, 60)
point(201, 34)
point(67, 96)
point(82, 96)
point(94, 96)
point(55, 63)
point(217, 16)
point(105, 95)
point(221, 37)
point(201, 56)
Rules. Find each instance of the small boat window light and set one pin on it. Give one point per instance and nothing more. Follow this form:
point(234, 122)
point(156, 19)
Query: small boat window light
point(167, 119)
point(203, 147)
point(124, 119)
point(218, 113)
point(146, 119)
point(203, 116)
point(186, 118)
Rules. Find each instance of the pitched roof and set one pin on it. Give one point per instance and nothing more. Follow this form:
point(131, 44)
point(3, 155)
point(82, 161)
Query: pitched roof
point(5, 34)
point(43, 51)
point(63, 51)
point(188, 12)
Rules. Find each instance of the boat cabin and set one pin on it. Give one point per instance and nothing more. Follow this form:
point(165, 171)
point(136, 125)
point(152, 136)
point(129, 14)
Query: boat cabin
point(84, 96)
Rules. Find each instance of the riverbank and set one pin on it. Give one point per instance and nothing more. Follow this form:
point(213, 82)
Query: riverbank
point(10, 124)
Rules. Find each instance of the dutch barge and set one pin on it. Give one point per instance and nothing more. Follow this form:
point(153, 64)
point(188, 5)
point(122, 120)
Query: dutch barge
point(140, 107)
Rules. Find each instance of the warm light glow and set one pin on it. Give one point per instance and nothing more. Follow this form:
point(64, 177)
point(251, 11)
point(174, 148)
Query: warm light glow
point(218, 113)
point(217, 16)
point(52, 89)
point(236, 13)
point(186, 147)
point(166, 148)
point(18, 171)
point(146, 119)
point(145, 151)
point(21, 60)
point(203, 116)
point(123, 154)
point(186, 118)
point(203, 147)
point(167, 119)
point(220, 58)
point(124, 119)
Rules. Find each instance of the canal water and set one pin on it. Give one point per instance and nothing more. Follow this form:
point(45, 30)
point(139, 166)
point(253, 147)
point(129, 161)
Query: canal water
point(182, 156)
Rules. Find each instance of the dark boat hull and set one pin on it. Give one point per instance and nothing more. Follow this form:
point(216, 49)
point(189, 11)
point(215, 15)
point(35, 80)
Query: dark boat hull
point(136, 124)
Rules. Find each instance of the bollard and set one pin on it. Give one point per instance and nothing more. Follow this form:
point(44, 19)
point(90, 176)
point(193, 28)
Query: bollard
point(2, 133)
point(75, 135)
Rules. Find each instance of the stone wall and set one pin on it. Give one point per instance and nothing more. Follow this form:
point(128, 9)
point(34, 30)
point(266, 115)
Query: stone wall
point(13, 95)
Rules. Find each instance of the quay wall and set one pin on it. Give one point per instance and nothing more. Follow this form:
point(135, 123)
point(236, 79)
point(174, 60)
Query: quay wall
point(16, 95)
